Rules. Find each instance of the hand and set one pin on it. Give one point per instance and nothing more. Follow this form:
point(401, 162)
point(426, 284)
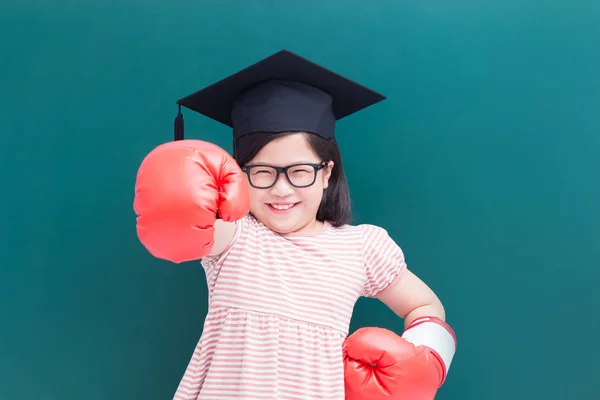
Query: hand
point(179, 189)
point(379, 364)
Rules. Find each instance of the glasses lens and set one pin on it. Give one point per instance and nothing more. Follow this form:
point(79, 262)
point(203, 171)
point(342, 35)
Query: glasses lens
point(262, 176)
point(302, 175)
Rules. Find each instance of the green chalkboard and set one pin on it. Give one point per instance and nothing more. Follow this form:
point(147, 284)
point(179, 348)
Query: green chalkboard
point(482, 164)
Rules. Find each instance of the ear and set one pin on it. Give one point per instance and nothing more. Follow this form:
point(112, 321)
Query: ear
point(327, 174)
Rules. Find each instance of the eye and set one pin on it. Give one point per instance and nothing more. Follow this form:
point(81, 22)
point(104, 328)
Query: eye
point(301, 170)
point(262, 171)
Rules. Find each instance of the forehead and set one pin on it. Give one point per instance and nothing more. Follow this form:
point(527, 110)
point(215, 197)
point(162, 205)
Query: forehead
point(286, 150)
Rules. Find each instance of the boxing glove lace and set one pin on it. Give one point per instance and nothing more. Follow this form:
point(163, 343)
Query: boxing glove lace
point(180, 187)
point(379, 364)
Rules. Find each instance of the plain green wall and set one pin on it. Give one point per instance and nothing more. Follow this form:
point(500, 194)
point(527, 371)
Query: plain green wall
point(483, 165)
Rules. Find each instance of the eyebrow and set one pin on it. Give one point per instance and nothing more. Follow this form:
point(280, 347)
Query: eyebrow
point(288, 163)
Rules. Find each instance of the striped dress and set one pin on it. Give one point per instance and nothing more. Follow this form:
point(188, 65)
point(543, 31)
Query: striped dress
point(280, 308)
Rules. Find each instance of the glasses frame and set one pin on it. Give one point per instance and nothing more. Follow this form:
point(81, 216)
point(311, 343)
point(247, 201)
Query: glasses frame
point(284, 171)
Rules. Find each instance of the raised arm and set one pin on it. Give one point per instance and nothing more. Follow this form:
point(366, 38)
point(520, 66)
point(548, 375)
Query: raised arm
point(223, 236)
point(179, 189)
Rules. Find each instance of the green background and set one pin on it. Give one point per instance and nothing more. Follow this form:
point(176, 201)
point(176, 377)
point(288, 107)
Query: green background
point(482, 164)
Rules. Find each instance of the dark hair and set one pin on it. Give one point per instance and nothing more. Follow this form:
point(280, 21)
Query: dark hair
point(335, 206)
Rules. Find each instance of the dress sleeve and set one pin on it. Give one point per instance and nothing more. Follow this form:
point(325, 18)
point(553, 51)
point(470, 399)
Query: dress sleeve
point(383, 260)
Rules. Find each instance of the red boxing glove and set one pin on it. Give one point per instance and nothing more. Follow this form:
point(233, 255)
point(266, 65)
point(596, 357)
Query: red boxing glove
point(378, 364)
point(180, 186)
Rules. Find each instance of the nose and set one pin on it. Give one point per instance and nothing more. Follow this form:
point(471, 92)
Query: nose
point(282, 187)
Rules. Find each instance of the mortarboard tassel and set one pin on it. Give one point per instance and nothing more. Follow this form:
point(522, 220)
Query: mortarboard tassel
point(179, 125)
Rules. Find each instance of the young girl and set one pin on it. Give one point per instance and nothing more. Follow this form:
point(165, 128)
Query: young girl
point(283, 263)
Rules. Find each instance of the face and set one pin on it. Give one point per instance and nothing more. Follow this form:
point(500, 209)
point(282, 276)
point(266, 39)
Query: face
point(284, 208)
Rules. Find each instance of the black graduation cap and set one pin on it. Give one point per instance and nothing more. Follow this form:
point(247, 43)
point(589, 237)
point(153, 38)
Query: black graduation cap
point(281, 93)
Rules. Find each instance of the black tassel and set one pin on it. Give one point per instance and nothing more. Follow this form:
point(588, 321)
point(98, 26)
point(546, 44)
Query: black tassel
point(179, 125)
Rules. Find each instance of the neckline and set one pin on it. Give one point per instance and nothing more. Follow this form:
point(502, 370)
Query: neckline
point(324, 228)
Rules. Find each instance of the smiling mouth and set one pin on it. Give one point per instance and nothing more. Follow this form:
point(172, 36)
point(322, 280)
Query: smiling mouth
point(282, 207)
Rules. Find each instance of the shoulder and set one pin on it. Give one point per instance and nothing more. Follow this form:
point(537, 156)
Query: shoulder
point(383, 259)
point(376, 243)
point(368, 234)
point(372, 240)
point(370, 230)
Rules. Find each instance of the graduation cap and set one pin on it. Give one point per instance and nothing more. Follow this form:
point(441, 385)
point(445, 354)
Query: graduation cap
point(281, 93)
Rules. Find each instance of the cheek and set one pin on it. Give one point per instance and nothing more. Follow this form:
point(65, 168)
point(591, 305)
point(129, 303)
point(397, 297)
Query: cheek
point(256, 196)
point(314, 195)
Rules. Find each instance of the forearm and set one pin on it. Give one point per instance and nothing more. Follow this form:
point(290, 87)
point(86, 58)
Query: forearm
point(435, 309)
point(414, 364)
point(425, 325)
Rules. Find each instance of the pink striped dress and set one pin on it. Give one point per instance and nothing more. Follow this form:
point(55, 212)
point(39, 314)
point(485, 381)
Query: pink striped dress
point(280, 309)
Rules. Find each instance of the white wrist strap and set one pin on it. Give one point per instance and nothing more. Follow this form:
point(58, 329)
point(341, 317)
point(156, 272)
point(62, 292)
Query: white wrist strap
point(435, 334)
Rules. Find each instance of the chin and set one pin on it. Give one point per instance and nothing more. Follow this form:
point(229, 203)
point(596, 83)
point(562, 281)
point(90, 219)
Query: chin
point(278, 224)
point(281, 226)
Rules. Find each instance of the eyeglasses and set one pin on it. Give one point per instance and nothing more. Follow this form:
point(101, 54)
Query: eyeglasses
point(263, 176)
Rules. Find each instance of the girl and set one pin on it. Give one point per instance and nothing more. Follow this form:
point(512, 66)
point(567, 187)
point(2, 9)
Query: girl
point(284, 265)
